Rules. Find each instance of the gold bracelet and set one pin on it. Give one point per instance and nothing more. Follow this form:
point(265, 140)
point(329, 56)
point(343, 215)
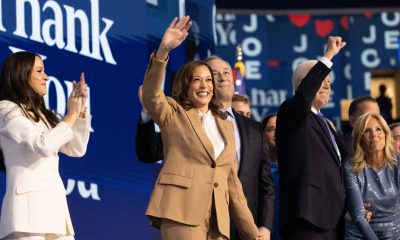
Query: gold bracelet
point(82, 114)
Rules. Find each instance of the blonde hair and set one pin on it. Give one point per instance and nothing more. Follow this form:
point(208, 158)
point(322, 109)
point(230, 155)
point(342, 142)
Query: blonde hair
point(358, 159)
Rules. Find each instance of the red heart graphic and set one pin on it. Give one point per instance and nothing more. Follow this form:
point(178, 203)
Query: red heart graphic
point(344, 22)
point(273, 63)
point(323, 27)
point(299, 20)
point(368, 14)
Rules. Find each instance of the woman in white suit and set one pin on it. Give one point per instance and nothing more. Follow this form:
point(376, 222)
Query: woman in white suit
point(35, 206)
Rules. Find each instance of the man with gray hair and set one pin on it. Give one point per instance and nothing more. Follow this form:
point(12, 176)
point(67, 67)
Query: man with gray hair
point(309, 153)
point(252, 152)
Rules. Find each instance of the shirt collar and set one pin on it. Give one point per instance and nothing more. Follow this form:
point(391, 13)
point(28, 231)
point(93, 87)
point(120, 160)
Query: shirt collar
point(201, 114)
point(230, 111)
point(314, 110)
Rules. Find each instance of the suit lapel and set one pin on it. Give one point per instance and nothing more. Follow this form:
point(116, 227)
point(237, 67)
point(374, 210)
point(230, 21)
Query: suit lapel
point(195, 121)
point(242, 135)
point(328, 138)
point(226, 133)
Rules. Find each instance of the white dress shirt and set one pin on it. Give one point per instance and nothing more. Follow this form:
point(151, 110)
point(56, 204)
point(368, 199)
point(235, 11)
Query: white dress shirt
point(231, 118)
point(212, 132)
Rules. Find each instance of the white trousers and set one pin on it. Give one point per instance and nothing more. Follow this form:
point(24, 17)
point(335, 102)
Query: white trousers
point(37, 236)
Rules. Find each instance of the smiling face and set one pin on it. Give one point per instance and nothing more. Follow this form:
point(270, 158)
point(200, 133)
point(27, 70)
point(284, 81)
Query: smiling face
point(224, 85)
point(201, 88)
point(322, 96)
point(373, 137)
point(38, 77)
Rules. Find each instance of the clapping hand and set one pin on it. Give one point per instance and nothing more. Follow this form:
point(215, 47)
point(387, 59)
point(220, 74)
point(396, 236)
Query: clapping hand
point(175, 34)
point(76, 100)
point(81, 88)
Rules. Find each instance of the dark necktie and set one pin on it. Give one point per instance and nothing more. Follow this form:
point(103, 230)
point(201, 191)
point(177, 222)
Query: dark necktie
point(227, 114)
point(321, 116)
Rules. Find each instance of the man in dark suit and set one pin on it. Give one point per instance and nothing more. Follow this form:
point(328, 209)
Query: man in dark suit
point(309, 153)
point(149, 146)
point(253, 157)
point(358, 107)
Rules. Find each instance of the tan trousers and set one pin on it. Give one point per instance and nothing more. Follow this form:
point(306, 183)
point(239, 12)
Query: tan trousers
point(208, 230)
point(36, 236)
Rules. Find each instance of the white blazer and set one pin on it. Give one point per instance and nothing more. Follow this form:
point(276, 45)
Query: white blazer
point(35, 199)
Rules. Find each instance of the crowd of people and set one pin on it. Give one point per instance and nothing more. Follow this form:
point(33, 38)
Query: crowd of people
point(223, 175)
point(318, 184)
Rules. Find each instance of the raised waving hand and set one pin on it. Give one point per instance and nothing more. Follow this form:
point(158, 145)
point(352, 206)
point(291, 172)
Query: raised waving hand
point(175, 34)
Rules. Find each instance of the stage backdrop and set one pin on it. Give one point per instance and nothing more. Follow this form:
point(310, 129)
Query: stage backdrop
point(108, 189)
point(274, 45)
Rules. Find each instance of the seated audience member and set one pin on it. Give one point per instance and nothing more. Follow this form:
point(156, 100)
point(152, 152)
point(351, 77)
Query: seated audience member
point(372, 176)
point(241, 104)
point(395, 127)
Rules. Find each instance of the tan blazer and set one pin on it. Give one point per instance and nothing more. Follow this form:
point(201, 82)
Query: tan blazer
point(185, 186)
point(35, 199)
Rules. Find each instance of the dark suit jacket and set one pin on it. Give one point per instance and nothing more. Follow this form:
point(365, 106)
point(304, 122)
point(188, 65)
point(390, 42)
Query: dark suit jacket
point(348, 143)
point(254, 171)
point(311, 182)
point(149, 146)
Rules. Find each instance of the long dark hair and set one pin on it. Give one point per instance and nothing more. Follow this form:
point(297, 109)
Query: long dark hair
point(266, 119)
point(15, 87)
point(181, 85)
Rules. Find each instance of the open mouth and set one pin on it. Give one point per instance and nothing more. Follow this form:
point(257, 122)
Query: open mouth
point(324, 94)
point(203, 94)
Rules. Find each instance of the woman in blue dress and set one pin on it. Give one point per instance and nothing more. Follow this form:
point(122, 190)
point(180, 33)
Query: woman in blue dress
point(372, 177)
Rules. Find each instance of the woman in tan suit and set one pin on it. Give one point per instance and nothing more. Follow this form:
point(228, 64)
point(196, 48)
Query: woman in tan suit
point(197, 189)
point(35, 206)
